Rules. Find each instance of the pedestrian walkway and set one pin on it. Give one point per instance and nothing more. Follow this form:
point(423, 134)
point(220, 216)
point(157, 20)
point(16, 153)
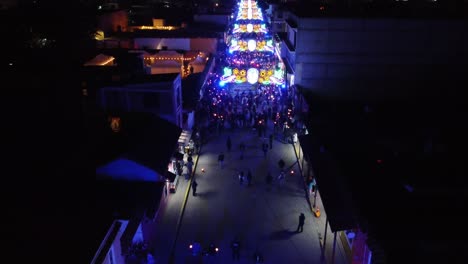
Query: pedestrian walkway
point(163, 230)
point(262, 217)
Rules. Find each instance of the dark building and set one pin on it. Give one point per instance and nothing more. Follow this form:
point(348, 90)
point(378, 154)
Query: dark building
point(373, 53)
point(384, 83)
point(401, 161)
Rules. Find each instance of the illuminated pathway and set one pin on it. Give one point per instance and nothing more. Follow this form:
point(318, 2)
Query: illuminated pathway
point(263, 217)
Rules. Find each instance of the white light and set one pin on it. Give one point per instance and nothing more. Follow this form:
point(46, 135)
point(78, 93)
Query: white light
point(252, 75)
point(249, 28)
point(251, 45)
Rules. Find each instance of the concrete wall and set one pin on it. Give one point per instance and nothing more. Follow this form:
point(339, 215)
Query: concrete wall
point(380, 57)
point(201, 44)
point(158, 43)
point(113, 21)
point(162, 99)
point(164, 70)
point(204, 44)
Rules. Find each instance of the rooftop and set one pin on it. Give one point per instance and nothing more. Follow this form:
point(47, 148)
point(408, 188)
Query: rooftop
point(143, 138)
point(194, 31)
point(408, 9)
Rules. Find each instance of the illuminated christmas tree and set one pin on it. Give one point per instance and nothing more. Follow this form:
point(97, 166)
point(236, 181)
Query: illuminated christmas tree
point(250, 56)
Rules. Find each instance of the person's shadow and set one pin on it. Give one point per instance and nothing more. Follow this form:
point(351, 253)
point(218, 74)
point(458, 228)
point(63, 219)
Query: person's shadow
point(207, 194)
point(281, 234)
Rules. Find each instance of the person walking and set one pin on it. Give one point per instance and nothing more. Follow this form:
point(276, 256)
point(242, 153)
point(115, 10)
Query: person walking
point(257, 257)
point(242, 149)
point(265, 149)
point(241, 177)
point(228, 143)
point(235, 246)
point(269, 179)
point(311, 186)
point(221, 160)
point(194, 187)
point(249, 178)
point(189, 169)
point(281, 178)
point(281, 164)
point(300, 226)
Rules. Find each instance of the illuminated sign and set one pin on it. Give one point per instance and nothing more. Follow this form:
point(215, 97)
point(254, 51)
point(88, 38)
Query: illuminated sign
point(252, 75)
point(251, 45)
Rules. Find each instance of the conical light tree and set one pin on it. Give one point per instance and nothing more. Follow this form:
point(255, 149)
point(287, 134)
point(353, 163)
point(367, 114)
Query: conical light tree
point(250, 56)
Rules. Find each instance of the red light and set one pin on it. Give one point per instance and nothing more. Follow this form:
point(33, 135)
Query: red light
point(379, 161)
point(322, 8)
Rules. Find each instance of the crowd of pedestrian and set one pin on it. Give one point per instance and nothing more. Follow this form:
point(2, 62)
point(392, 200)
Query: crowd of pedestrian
point(222, 108)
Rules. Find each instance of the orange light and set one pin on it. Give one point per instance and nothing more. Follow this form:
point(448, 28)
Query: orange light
point(109, 60)
point(115, 124)
point(317, 213)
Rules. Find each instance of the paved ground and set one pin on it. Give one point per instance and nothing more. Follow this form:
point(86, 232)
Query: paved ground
point(261, 216)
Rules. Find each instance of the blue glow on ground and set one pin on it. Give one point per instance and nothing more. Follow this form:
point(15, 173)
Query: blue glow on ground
point(124, 169)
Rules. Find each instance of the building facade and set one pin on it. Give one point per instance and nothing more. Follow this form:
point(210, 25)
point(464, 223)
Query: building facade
point(158, 96)
point(373, 57)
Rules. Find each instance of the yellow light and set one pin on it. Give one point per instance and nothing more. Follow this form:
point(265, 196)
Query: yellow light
point(107, 61)
point(99, 35)
point(157, 27)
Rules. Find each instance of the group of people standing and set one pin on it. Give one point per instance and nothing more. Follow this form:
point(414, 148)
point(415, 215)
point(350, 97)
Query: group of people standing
point(221, 108)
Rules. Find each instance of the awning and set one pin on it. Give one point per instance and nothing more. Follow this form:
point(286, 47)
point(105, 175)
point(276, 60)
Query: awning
point(184, 137)
point(128, 170)
point(170, 176)
point(178, 156)
point(152, 140)
point(336, 199)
